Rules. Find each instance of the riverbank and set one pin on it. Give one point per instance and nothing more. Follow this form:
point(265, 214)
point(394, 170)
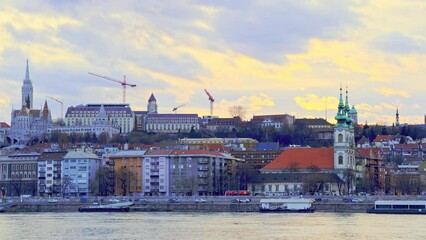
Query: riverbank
point(184, 207)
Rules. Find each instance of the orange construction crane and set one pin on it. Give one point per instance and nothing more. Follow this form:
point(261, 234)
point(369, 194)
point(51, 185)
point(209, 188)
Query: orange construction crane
point(211, 99)
point(123, 83)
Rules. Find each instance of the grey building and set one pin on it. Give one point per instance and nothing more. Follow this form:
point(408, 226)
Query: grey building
point(18, 174)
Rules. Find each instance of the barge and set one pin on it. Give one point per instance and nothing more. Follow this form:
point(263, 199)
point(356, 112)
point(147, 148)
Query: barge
point(291, 205)
point(398, 207)
point(115, 207)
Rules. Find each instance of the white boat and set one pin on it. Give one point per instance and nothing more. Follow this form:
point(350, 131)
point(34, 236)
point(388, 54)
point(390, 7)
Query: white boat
point(398, 207)
point(114, 207)
point(300, 205)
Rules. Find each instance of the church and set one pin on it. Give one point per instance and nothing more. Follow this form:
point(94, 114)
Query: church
point(28, 125)
point(308, 170)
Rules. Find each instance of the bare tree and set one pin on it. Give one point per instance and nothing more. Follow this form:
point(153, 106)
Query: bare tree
point(237, 111)
point(313, 182)
point(103, 182)
point(293, 167)
point(349, 177)
point(17, 184)
point(190, 185)
point(67, 185)
point(124, 178)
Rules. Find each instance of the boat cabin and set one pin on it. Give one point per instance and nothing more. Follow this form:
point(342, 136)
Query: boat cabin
point(289, 204)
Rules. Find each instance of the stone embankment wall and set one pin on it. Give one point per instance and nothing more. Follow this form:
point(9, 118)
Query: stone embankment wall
point(187, 207)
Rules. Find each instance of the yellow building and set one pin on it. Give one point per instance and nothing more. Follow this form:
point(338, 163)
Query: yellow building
point(127, 172)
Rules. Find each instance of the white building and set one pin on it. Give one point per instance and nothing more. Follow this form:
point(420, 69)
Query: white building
point(101, 124)
point(171, 123)
point(79, 171)
point(155, 165)
point(86, 115)
point(49, 173)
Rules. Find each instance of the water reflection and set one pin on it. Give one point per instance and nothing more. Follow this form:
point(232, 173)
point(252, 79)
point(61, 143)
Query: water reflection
point(169, 225)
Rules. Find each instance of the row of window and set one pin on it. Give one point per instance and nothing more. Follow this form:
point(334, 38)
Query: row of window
point(24, 166)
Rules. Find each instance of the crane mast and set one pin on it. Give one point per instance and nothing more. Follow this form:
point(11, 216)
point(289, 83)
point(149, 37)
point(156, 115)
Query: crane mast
point(123, 83)
point(62, 105)
point(211, 99)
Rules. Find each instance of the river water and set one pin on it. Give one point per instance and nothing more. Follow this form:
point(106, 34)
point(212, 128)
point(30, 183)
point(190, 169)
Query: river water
point(173, 225)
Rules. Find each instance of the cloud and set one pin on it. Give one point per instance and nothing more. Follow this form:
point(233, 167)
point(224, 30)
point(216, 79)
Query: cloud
point(313, 102)
point(268, 31)
point(396, 42)
point(252, 104)
point(392, 92)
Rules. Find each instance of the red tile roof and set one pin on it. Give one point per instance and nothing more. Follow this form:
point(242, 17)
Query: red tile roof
point(373, 153)
point(303, 158)
point(380, 138)
point(158, 152)
point(196, 152)
point(4, 125)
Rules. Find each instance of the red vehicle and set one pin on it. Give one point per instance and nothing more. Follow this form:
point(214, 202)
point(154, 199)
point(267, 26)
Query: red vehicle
point(237, 193)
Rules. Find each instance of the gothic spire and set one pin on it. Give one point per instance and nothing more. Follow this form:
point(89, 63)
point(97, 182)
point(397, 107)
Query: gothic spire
point(27, 73)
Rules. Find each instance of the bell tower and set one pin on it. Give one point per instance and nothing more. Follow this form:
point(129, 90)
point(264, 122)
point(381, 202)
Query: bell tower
point(344, 142)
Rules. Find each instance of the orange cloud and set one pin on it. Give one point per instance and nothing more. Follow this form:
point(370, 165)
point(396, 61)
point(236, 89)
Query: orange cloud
point(313, 102)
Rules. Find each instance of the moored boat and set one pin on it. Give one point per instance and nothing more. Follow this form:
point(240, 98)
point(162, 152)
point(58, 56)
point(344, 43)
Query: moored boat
point(116, 207)
point(398, 207)
point(291, 205)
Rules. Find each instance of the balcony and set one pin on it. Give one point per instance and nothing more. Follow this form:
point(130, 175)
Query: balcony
point(203, 168)
point(202, 175)
point(203, 161)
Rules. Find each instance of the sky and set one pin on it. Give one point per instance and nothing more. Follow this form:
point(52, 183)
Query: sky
point(269, 56)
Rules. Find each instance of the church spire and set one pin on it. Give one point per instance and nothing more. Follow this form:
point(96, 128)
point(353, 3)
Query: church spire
point(27, 73)
point(27, 89)
point(347, 101)
point(341, 114)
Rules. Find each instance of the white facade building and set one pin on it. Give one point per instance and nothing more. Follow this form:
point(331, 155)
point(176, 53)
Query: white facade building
point(86, 115)
point(101, 124)
point(79, 171)
point(171, 123)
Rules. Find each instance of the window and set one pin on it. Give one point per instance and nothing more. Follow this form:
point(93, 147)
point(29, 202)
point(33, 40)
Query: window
point(340, 159)
point(277, 188)
point(340, 138)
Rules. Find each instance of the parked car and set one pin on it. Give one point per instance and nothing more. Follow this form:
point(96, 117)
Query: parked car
point(356, 200)
point(173, 200)
point(114, 200)
point(347, 199)
point(200, 200)
point(241, 200)
point(141, 200)
point(53, 200)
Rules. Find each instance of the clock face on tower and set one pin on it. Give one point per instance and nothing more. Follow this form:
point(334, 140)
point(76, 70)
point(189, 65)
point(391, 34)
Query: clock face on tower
point(340, 128)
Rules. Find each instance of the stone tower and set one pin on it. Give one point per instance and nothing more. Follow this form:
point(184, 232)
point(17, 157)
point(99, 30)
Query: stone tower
point(152, 104)
point(27, 90)
point(344, 142)
point(397, 118)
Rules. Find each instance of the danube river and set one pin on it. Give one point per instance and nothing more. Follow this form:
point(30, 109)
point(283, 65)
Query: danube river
point(173, 225)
